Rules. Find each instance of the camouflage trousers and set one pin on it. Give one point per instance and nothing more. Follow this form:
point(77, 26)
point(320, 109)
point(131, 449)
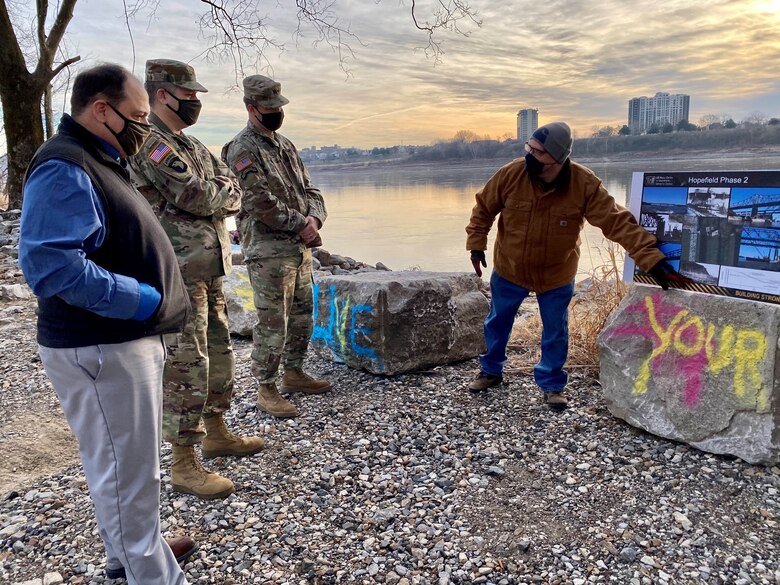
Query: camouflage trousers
point(198, 376)
point(282, 290)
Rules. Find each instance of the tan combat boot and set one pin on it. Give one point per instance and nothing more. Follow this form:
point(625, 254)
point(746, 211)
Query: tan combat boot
point(296, 380)
point(189, 477)
point(220, 442)
point(270, 401)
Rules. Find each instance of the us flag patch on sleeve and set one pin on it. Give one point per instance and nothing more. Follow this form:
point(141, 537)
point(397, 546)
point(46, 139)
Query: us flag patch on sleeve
point(242, 163)
point(160, 152)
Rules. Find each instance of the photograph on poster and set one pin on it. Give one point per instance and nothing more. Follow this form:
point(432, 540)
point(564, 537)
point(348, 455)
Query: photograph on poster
point(703, 273)
point(710, 240)
point(759, 249)
point(662, 213)
point(713, 229)
point(756, 206)
point(708, 202)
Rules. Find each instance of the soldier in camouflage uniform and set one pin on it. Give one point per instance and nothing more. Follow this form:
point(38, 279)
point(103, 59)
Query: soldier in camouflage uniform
point(281, 214)
point(192, 192)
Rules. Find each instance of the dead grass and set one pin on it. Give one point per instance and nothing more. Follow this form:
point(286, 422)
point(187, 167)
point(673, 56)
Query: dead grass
point(594, 301)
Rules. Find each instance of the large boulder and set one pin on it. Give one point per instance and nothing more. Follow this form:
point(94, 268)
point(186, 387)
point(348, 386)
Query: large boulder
point(398, 321)
point(696, 368)
point(240, 302)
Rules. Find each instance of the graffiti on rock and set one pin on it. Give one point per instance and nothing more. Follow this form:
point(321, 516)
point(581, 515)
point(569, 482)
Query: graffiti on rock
point(343, 330)
point(694, 349)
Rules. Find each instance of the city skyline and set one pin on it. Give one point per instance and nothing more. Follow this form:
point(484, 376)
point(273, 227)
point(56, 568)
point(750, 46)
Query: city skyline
point(576, 63)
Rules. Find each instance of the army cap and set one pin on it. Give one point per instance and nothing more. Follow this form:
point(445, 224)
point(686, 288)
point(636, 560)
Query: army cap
point(174, 72)
point(264, 91)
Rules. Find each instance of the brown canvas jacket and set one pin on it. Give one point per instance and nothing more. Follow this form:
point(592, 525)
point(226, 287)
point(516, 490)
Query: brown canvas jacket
point(538, 240)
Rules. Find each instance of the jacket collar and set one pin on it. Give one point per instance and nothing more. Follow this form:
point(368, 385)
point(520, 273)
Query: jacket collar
point(274, 141)
point(91, 142)
point(181, 137)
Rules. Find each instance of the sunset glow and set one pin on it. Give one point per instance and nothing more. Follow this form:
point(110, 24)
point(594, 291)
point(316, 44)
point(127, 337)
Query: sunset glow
point(579, 62)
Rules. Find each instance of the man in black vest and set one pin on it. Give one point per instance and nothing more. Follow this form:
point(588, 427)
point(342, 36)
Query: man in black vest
point(108, 288)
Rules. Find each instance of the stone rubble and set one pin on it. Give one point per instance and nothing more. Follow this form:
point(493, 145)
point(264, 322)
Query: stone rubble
point(412, 480)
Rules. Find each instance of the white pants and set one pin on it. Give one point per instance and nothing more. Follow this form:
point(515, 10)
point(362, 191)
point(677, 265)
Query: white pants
point(112, 397)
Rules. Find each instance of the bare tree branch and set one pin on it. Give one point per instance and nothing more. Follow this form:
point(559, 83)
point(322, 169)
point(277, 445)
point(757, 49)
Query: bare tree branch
point(446, 17)
point(321, 16)
point(236, 31)
point(61, 22)
point(11, 56)
point(67, 63)
point(42, 9)
point(129, 31)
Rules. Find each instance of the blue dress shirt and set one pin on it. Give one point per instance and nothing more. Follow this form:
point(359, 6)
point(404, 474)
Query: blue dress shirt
point(63, 220)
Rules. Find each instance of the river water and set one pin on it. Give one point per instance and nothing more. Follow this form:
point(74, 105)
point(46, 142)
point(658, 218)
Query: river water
point(415, 217)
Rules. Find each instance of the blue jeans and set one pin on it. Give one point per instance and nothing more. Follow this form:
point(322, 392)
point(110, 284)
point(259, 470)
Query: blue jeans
point(506, 298)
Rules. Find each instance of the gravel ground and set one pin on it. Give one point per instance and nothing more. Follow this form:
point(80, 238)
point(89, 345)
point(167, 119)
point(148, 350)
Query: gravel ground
point(402, 480)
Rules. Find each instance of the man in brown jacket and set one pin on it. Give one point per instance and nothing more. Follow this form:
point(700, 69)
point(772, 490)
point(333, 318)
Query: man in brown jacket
point(542, 202)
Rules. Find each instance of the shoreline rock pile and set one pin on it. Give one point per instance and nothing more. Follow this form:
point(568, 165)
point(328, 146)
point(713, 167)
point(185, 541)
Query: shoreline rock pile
point(12, 284)
point(412, 480)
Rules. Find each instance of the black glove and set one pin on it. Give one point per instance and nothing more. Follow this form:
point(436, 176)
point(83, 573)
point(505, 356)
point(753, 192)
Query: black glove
point(477, 258)
point(667, 276)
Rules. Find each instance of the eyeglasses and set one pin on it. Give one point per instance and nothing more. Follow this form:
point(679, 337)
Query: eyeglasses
point(536, 152)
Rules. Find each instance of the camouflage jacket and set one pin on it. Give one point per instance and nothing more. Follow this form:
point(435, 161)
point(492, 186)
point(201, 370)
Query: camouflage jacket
point(278, 193)
point(191, 192)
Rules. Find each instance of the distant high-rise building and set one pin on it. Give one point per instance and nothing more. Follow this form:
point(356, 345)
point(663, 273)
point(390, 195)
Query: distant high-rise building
point(527, 123)
point(662, 109)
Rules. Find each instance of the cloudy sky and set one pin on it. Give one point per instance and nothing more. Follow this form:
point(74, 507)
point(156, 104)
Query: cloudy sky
point(574, 61)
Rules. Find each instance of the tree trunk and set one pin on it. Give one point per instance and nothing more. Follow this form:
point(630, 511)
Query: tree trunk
point(48, 112)
point(24, 134)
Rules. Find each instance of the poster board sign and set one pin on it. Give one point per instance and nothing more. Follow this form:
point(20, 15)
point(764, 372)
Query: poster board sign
point(720, 229)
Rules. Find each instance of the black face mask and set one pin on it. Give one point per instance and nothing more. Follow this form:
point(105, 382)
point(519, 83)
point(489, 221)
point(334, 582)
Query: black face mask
point(132, 135)
point(188, 111)
point(271, 121)
point(533, 166)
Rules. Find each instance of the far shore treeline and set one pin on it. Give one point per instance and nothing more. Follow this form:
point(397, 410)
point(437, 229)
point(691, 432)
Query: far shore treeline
point(468, 146)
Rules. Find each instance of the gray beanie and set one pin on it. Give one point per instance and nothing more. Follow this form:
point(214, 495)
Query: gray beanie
point(556, 138)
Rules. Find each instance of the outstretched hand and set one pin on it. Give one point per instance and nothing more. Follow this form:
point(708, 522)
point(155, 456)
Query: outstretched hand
point(667, 276)
point(477, 258)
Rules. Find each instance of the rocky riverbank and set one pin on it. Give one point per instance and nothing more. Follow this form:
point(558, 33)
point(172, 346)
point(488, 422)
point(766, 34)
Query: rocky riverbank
point(401, 480)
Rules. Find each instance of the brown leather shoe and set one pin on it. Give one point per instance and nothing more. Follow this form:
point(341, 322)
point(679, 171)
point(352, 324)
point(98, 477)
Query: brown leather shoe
point(296, 380)
point(182, 547)
point(483, 381)
point(556, 401)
